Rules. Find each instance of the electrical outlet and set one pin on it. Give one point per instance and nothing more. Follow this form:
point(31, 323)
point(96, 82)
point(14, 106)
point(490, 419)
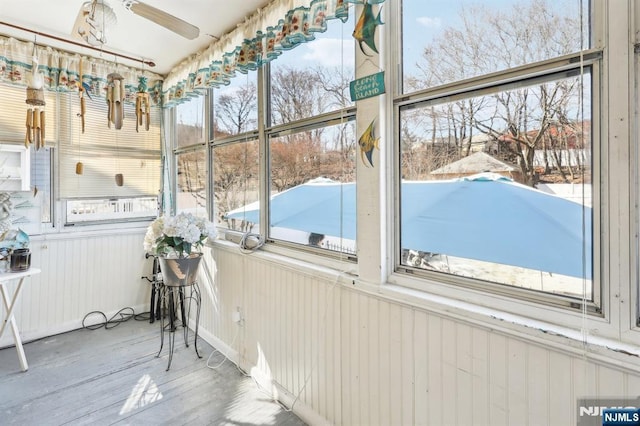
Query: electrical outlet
point(237, 316)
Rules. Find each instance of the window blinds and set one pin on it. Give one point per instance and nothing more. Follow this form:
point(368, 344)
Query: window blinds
point(14, 115)
point(103, 151)
point(106, 152)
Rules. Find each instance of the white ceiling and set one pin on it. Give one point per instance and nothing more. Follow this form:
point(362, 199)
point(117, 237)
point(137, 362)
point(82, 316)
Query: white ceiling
point(132, 35)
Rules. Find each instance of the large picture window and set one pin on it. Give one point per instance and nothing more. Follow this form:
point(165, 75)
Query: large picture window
point(496, 146)
point(502, 194)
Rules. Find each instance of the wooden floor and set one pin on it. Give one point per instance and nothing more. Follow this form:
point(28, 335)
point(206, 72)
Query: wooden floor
point(105, 377)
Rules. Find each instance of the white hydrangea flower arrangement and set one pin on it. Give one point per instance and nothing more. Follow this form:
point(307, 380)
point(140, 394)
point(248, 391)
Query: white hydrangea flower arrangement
point(177, 236)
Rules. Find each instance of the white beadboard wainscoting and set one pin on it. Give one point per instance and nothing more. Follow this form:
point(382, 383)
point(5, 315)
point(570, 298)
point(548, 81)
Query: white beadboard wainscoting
point(351, 357)
point(81, 272)
point(339, 353)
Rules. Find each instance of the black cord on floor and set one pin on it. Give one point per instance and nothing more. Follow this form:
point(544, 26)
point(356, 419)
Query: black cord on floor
point(124, 314)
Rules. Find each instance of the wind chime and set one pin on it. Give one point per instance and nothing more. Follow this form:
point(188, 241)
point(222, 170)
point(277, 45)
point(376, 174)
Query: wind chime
point(115, 100)
point(119, 176)
point(35, 97)
point(143, 104)
point(115, 111)
point(83, 89)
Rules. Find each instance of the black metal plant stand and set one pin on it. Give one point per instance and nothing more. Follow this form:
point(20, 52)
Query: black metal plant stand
point(156, 283)
point(174, 299)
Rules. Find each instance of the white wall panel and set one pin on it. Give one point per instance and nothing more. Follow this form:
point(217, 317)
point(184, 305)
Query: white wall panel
point(80, 275)
point(395, 364)
point(498, 389)
point(480, 382)
point(353, 358)
point(463, 366)
point(517, 397)
point(537, 375)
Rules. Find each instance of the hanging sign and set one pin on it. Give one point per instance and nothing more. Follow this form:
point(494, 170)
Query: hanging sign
point(367, 87)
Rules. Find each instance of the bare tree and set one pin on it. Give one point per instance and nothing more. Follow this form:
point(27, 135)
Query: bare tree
point(520, 121)
point(236, 176)
point(335, 85)
point(295, 94)
point(235, 166)
point(192, 174)
point(188, 134)
point(234, 111)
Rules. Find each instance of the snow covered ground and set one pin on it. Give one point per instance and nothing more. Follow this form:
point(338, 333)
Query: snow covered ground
point(510, 275)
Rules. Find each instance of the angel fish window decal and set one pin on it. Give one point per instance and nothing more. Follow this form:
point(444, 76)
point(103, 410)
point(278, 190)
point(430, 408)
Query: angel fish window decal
point(367, 142)
point(365, 30)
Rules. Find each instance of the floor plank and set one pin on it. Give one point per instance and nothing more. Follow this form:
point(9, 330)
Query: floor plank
point(113, 377)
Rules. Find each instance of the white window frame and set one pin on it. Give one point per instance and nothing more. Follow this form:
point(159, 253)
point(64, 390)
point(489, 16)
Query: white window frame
point(610, 80)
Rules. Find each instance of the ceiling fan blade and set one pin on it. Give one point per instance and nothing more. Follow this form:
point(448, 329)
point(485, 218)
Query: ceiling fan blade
point(163, 19)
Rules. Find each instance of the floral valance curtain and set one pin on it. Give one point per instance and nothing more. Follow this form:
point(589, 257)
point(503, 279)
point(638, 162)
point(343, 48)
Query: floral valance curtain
point(282, 25)
point(61, 70)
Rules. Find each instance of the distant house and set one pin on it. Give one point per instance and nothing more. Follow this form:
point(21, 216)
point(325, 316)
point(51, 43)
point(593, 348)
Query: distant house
point(477, 163)
point(478, 142)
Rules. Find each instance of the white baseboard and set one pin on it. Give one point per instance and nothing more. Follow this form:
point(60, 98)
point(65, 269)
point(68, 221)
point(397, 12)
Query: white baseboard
point(30, 336)
point(277, 392)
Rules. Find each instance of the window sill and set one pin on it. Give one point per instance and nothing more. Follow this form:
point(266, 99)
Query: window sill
point(313, 264)
point(74, 232)
point(565, 339)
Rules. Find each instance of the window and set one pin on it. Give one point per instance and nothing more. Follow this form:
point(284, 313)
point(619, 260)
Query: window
point(312, 177)
point(305, 136)
point(312, 143)
point(314, 78)
point(236, 185)
point(92, 210)
point(41, 167)
point(191, 157)
point(236, 107)
point(457, 40)
point(236, 160)
point(107, 174)
point(12, 132)
point(496, 146)
point(190, 126)
point(104, 157)
point(191, 183)
point(14, 114)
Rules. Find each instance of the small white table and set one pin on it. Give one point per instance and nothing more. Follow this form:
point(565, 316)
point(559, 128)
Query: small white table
point(10, 303)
